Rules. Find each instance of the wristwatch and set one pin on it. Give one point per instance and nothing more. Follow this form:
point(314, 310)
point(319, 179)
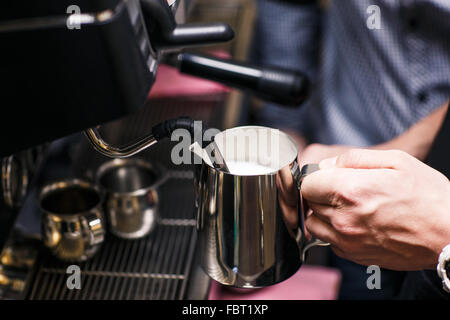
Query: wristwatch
point(443, 268)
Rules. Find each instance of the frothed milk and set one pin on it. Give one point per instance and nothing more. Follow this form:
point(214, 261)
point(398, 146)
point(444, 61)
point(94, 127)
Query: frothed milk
point(243, 168)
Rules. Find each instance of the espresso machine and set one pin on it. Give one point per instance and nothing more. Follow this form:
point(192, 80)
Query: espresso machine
point(72, 66)
point(61, 78)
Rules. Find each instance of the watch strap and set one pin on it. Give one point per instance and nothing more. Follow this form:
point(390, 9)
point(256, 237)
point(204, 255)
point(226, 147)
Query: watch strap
point(443, 268)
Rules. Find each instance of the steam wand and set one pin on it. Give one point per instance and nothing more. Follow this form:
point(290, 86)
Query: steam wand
point(159, 132)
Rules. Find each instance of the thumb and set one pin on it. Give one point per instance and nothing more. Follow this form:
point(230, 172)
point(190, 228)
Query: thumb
point(372, 159)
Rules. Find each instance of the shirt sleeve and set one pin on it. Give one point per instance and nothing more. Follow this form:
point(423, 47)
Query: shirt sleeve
point(287, 35)
point(439, 156)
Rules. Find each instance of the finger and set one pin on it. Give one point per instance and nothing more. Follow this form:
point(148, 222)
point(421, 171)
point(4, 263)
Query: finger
point(321, 229)
point(324, 186)
point(307, 214)
point(328, 163)
point(371, 159)
point(324, 212)
point(338, 187)
point(339, 252)
point(287, 187)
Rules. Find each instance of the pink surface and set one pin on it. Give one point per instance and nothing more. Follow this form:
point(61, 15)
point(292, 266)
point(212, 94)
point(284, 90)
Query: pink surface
point(170, 83)
point(310, 283)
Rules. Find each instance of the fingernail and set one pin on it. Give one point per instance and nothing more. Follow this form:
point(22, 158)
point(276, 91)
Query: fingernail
point(328, 163)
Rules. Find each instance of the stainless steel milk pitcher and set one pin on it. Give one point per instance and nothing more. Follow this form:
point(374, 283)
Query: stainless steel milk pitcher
point(250, 221)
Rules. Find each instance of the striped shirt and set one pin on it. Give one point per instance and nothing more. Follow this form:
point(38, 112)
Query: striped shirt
point(370, 85)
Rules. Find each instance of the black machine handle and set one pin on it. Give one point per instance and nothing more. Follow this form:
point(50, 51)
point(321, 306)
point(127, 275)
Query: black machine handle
point(282, 86)
point(279, 85)
point(166, 34)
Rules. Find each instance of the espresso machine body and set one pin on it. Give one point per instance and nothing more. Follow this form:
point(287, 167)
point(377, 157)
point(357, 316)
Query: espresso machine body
point(59, 79)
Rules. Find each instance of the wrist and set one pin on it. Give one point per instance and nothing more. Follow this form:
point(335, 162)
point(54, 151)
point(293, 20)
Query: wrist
point(443, 235)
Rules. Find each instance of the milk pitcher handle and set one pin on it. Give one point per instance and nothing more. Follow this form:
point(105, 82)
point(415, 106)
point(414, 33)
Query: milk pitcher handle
point(299, 175)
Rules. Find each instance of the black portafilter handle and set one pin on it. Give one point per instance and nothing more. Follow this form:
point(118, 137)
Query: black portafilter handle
point(282, 86)
point(165, 33)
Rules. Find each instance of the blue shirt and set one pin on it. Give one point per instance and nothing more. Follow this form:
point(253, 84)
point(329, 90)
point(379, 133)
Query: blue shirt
point(370, 84)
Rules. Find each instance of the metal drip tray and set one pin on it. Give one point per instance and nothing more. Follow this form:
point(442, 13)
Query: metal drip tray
point(154, 267)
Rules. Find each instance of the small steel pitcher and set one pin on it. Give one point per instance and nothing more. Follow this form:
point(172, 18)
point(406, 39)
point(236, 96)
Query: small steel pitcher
point(72, 219)
point(131, 189)
point(250, 220)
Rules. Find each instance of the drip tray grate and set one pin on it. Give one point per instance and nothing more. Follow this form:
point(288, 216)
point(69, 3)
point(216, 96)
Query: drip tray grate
point(154, 267)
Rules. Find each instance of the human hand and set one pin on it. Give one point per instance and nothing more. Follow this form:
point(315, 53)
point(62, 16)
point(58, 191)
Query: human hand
point(314, 153)
point(288, 195)
point(380, 207)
